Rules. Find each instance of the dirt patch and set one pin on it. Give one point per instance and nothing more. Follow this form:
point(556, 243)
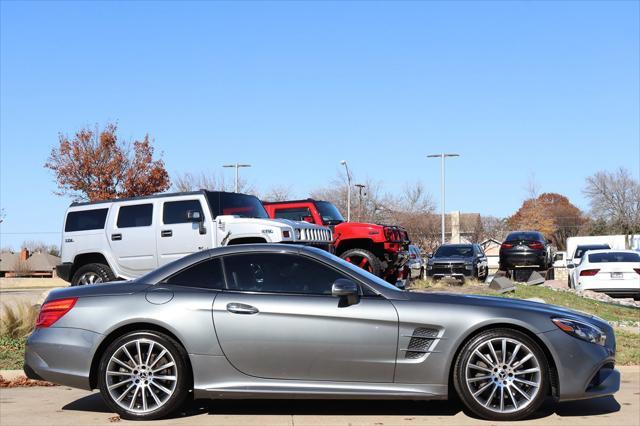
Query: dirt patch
point(22, 382)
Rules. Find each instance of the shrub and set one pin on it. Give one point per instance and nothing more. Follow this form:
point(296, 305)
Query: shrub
point(18, 320)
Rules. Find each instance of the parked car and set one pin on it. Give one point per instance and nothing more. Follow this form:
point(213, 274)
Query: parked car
point(458, 261)
point(525, 249)
point(294, 322)
point(613, 272)
point(379, 249)
point(416, 263)
point(580, 250)
point(125, 238)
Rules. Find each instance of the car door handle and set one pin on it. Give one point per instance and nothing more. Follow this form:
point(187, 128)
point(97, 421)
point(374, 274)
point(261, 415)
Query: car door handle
point(116, 237)
point(241, 308)
point(166, 233)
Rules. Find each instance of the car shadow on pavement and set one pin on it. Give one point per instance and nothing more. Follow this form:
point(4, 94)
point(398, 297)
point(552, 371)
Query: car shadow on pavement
point(301, 407)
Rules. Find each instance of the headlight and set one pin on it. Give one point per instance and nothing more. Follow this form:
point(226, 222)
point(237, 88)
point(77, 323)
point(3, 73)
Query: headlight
point(581, 330)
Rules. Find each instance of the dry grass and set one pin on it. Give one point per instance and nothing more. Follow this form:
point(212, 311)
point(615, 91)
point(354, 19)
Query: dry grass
point(18, 320)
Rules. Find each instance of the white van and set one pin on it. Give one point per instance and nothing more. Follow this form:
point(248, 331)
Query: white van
point(125, 238)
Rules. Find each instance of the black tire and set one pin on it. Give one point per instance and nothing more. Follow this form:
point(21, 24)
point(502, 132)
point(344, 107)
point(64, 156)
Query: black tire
point(462, 387)
point(357, 256)
point(183, 385)
point(100, 270)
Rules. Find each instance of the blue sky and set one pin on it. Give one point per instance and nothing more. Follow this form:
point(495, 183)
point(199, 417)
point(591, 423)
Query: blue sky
point(294, 87)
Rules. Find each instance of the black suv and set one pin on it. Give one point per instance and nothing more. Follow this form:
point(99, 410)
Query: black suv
point(525, 248)
point(458, 261)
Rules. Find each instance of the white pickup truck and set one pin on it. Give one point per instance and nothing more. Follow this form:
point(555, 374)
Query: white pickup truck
point(125, 238)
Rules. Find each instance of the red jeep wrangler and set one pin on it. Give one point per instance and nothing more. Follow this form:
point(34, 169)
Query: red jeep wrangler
point(380, 249)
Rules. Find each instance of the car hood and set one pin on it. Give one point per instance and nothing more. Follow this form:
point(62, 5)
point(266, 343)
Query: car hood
point(471, 300)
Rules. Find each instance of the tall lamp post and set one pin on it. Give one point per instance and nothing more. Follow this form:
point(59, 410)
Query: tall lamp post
point(237, 166)
point(344, 163)
point(360, 188)
point(442, 197)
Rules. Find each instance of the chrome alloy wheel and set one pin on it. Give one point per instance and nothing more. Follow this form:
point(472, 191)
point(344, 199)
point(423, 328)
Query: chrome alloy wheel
point(141, 376)
point(503, 375)
point(89, 278)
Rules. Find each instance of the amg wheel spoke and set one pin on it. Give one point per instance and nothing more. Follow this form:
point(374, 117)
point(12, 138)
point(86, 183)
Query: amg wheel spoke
point(162, 388)
point(164, 351)
point(493, 353)
point(164, 367)
point(522, 392)
point(514, 353)
point(478, 379)
point(504, 351)
point(133, 398)
point(493, 392)
point(120, 384)
point(121, 397)
point(155, 397)
point(527, 371)
point(126, 351)
point(139, 351)
point(515, 403)
point(119, 373)
point(501, 399)
point(117, 361)
point(526, 382)
point(482, 389)
point(165, 378)
point(477, 367)
point(144, 399)
point(149, 352)
point(484, 358)
point(523, 360)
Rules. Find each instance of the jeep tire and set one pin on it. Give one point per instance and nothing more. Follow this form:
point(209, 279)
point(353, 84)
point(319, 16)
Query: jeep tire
point(363, 259)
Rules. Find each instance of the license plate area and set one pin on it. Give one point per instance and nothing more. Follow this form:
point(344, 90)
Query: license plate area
point(616, 275)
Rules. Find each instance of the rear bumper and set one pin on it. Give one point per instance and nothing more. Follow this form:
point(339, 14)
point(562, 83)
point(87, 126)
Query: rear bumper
point(513, 260)
point(63, 271)
point(61, 355)
point(617, 292)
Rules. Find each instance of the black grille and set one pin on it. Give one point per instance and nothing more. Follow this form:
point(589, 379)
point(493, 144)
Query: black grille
point(446, 269)
point(421, 340)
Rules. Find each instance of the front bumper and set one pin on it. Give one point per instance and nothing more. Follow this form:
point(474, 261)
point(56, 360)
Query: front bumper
point(585, 370)
point(63, 271)
point(61, 355)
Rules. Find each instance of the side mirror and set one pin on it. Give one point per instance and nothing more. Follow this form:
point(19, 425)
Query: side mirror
point(570, 265)
point(308, 219)
point(347, 291)
point(557, 257)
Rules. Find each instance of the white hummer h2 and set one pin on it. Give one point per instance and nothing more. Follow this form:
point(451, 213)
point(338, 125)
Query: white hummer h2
point(125, 238)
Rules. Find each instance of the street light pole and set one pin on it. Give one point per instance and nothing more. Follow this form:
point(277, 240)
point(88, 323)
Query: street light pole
point(344, 163)
point(442, 187)
point(237, 167)
point(360, 188)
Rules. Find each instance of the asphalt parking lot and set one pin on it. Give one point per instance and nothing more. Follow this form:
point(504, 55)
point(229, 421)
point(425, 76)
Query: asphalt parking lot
point(66, 406)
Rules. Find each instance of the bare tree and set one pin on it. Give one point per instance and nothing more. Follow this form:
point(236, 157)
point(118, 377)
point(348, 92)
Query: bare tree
point(494, 227)
point(278, 193)
point(614, 198)
point(210, 181)
point(532, 187)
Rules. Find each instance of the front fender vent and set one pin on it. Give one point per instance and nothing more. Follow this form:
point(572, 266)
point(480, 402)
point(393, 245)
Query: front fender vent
point(421, 341)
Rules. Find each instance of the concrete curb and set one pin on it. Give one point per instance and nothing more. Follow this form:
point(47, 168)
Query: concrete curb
point(11, 374)
point(31, 283)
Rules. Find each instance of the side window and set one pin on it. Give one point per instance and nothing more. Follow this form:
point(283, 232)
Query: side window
point(85, 220)
point(296, 213)
point(206, 274)
point(279, 273)
point(176, 211)
point(136, 215)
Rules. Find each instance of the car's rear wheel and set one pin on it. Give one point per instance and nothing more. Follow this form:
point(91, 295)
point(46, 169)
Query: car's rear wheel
point(144, 375)
point(92, 273)
point(501, 374)
point(363, 259)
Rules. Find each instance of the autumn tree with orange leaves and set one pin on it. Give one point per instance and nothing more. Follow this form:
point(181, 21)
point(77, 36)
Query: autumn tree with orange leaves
point(94, 168)
point(550, 213)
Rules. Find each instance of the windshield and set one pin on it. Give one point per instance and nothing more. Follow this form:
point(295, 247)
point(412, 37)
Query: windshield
point(454, 251)
point(614, 256)
point(329, 213)
point(582, 249)
point(243, 205)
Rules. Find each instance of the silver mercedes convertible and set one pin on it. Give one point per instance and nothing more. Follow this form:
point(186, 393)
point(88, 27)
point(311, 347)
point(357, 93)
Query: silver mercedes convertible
point(278, 321)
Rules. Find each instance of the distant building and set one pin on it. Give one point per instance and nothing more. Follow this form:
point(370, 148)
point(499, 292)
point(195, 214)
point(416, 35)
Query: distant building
point(461, 228)
point(25, 264)
point(491, 249)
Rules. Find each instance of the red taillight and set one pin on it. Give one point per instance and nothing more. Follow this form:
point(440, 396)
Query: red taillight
point(506, 245)
point(637, 270)
point(589, 272)
point(54, 310)
point(536, 246)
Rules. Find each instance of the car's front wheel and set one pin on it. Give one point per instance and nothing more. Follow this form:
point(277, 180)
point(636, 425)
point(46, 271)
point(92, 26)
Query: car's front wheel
point(92, 273)
point(143, 375)
point(501, 374)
